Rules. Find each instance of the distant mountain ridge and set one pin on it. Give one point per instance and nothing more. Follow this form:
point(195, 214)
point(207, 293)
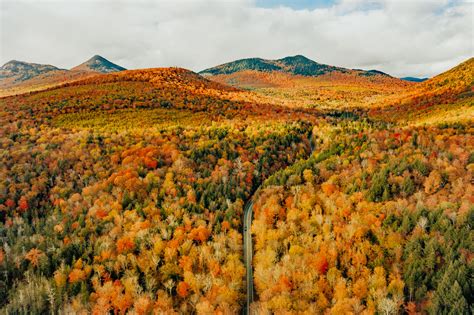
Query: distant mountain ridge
point(413, 79)
point(19, 76)
point(21, 71)
point(99, 64)
point(296, 65)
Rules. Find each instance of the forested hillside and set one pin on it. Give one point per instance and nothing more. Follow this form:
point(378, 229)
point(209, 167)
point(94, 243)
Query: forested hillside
point(328, 88)
point(446, 98)
point(125, 193)
point(354, 229)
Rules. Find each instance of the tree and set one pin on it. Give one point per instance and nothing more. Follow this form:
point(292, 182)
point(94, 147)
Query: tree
point(33, 256)
point(449, 296)
point(182, 289)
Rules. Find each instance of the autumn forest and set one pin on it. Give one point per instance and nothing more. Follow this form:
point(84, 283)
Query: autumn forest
point(125, 191)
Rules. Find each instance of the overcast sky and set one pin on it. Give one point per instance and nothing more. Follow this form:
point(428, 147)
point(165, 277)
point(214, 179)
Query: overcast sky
point(401, 37)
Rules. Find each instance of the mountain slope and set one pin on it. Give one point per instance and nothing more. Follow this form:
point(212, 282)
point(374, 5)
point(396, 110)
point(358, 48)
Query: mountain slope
point(447, 97)
point(21, 71)
point(456, 79)
point(99, 64)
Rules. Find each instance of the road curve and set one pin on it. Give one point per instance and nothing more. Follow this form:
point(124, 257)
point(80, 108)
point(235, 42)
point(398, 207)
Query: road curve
point(248, 249)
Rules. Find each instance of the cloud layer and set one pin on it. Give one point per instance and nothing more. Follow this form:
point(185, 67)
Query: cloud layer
point(401, 37)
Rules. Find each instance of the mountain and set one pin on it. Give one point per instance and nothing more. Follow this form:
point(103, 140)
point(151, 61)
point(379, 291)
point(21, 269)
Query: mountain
point(21, 71)
point(99, 64)
point(299, 81)
point(295, 65)
point(17, 77)
point(369, 73)
point(412, 79)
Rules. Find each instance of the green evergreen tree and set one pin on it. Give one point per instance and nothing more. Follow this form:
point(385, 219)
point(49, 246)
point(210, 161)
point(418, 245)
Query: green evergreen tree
point(449, 297)
point(458, 304)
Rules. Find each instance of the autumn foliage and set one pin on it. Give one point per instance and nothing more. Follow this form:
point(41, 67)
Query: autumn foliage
point(125, 193)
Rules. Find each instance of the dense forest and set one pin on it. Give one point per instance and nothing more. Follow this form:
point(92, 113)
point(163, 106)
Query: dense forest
point(353, 229)
point(144, 215)
point(125, 192)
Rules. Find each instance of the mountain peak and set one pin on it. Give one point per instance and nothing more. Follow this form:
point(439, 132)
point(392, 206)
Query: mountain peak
point(17, 65)
point(97, 58)
point(12, 63)
point(297, 59)
point(21, 70)
point(99, 64)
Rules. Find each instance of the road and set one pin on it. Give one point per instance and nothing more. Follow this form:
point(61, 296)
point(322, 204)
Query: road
point(248, 253)
point(248, 248)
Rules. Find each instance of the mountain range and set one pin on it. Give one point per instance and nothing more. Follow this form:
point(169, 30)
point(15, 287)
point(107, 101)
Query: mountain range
point(18, 77)
point(14, 72)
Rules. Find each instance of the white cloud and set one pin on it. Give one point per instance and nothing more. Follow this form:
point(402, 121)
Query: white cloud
point(401, 37)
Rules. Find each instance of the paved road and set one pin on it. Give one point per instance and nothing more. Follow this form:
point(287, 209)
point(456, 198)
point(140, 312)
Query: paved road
point(248, 253)
point(248, 249)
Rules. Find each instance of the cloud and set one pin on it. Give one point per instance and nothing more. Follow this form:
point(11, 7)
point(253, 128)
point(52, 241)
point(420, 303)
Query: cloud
point(401, 37)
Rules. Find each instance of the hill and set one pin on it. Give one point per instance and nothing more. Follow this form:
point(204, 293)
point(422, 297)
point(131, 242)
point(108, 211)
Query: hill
point(456, 80)
point(447, 97)
point(295, 65)
point(98, 64)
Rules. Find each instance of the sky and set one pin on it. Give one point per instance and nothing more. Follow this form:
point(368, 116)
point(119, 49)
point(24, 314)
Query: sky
point(419, 38)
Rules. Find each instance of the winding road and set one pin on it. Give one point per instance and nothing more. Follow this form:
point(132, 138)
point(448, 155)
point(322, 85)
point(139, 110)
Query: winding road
point(248, 249)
